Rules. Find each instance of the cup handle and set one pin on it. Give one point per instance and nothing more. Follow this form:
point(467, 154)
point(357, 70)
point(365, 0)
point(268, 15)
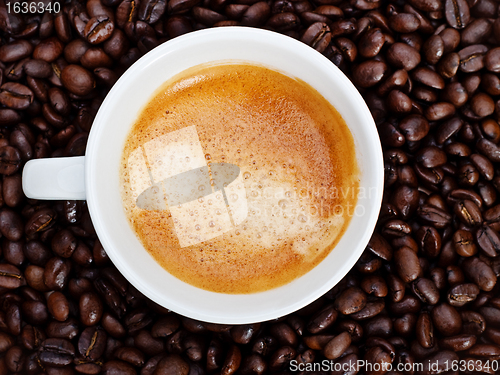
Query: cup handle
point(55, 178)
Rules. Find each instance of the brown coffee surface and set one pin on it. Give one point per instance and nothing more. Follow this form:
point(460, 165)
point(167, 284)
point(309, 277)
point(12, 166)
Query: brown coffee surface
point(289, 204)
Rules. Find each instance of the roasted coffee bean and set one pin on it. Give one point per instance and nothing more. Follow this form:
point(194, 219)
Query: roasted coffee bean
point(75, 50)
point(458, 343)
point(472, 58)
point(56, 352)
point(48, 50)
point(369, 73)
point(431, 157)
point(490, 315)
point(36, 252)
point(489, 149)
point(171, 364)
point(65, 330)
point(414, 127)
point(488, 240)
point(427, 6)
point(91, 309)
point(98, 29)
point(16, 96)
point(15, 51)
point(350, 301)
point(56, 273)
point(425, 330)
point(480, 273)
point(451, 39)
point(281, 358)
point(13, 252)
point(398, 102)
point(433, 216)
point(491, 60)
point(375, 285)
point(10, 277)
point(92, 343)
point(131, 355)
point(371, 43)
point(321, 320)
point(482, 105)
point(37, 68)
point(396, 228)
point(462, 294)
point(207, 16)
point(58, 306)
point(64, 243)
point(446, 319)
point(457, 13)
point(34, 312)
point(473, 322)
point(380, 247)
point(407, 264)
point(77, 80)
point(404, 22)
point(487, 192)
point(317, 36)
point(403, 56)
point(426, 291)
point(464, 243)
point(433, 49)
point(485, 350)
point(408, 304)
point(10, 224)
point(336, 346)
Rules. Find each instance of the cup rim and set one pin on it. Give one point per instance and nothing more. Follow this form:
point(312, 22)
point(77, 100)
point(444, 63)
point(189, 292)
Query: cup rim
point(233, 33)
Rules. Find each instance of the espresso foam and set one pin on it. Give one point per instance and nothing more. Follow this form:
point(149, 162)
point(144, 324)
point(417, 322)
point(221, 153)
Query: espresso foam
point(237, 178)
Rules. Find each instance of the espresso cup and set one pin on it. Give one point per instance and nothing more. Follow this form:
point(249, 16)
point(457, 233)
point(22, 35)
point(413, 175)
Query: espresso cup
point(95, 177)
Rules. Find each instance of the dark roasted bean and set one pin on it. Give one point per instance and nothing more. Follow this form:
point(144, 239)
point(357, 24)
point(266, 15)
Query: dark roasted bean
point(77, 80)
point(462, 294)
point(472, 58)
point(48, 50)
point(58, 306)
point(426, 291)
point(90, 309)
point(488, 240)
point(491, 60)
point(457, 13)
point(407, 264)
point(464, 243)
point(322, 320)
point(473, 322)
point(350, 301)
point(480, 273)
point(15, 96)
point(56, 352)
point(66, 330)
point(92, 343)
point(56, 273)
point(403, 56)
point(446, 319)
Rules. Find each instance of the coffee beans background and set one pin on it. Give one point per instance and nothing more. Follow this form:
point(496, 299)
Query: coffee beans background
point(425, 289)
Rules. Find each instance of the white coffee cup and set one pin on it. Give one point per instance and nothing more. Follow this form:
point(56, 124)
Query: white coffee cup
point(95, 177)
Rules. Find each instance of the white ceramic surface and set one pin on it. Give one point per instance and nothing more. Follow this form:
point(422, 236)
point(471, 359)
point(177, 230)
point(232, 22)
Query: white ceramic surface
point(120, 109)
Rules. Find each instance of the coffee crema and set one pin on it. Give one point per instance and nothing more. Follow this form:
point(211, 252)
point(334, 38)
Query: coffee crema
point(237, 178)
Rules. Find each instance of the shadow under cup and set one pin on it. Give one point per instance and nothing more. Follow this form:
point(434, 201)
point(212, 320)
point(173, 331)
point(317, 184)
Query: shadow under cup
point(119, 112)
